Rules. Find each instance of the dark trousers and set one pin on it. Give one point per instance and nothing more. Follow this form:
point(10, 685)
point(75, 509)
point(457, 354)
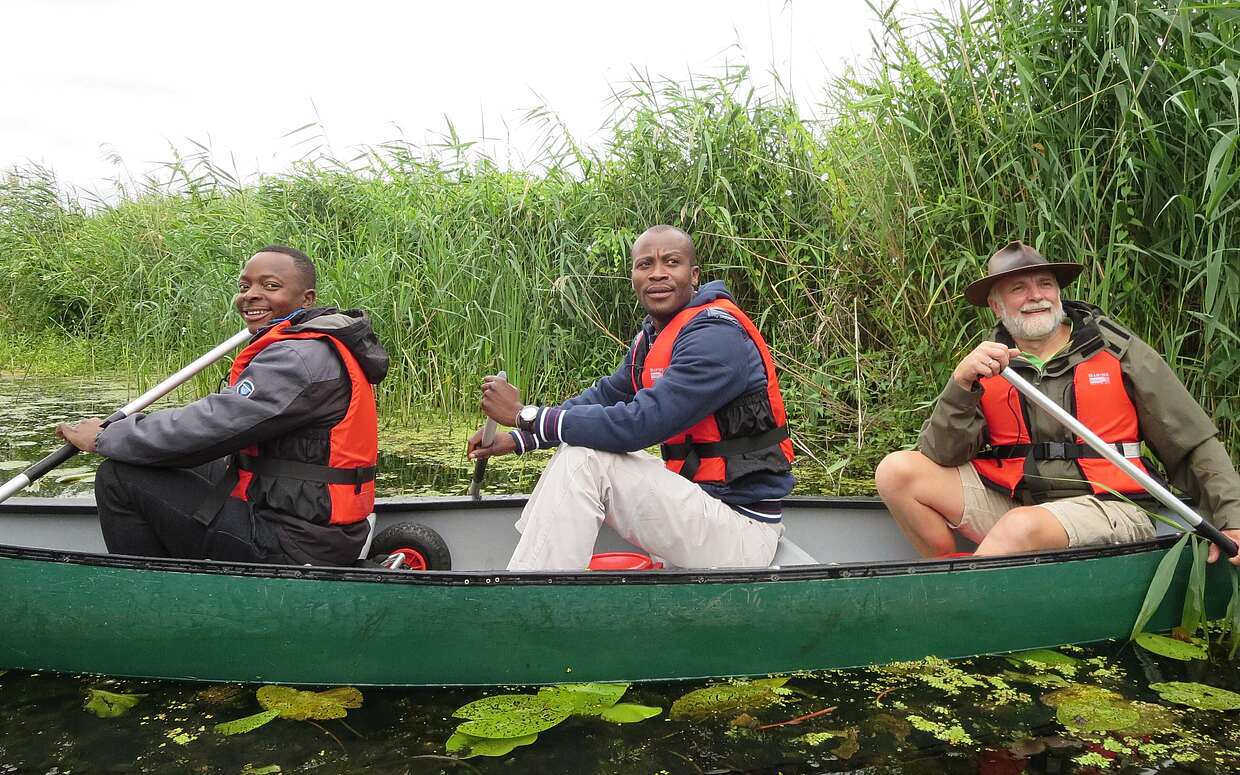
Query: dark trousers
point(149, 512)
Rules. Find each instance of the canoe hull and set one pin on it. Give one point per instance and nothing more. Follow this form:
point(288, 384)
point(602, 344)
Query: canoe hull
point(206, 621)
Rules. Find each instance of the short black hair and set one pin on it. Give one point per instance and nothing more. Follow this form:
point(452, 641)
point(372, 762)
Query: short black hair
point(305, 267)
point(663, 227)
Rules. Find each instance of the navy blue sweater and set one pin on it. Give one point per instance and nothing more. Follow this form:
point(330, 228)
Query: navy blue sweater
point(713, 363)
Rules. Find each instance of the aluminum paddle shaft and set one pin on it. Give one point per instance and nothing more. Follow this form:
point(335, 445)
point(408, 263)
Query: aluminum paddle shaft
point(1108, 451)
point(36, 471)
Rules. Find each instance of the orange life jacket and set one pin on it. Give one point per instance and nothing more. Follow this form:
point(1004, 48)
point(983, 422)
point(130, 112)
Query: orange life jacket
point(703, 452)
point(1100, 400)
point(354, 441)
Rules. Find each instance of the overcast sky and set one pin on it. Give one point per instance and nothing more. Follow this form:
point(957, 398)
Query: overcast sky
point(84, 83)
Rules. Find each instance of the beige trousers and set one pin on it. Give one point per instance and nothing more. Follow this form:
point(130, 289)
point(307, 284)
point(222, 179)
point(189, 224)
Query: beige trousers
point(667, 515)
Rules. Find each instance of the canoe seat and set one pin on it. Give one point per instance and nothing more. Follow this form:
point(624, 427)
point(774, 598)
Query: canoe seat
point(787, 553)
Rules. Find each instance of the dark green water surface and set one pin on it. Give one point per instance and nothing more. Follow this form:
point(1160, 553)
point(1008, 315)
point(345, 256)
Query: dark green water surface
point(987, 715)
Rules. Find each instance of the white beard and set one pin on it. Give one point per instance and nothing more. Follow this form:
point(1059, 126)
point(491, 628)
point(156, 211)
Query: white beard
point(1033, 330)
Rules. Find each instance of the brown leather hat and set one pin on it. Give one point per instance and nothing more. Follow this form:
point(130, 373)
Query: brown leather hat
point(1014, 258)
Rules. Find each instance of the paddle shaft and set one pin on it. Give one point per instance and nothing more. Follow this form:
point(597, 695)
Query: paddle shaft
point(1108, 451)
point(36, 471)
point(480, 466)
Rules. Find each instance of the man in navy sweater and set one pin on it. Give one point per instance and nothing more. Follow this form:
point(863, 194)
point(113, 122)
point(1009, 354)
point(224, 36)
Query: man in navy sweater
point(698, 380)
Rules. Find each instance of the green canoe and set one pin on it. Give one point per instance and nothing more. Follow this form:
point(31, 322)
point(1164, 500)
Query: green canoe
point(845, 591)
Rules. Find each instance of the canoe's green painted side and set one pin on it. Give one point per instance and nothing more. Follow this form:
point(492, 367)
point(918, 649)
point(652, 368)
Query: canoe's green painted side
point(125, 621)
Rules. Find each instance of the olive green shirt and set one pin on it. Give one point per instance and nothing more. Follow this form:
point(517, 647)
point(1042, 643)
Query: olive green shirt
point(1172, 424)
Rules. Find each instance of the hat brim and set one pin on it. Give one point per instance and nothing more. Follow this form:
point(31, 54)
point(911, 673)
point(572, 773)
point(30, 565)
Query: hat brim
point(977, 293)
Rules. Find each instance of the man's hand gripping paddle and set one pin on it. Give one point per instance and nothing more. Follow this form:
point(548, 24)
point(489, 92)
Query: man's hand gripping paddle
point(480, 466)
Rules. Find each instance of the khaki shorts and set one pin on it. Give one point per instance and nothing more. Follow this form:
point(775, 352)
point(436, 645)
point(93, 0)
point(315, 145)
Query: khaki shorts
point(1087, 520)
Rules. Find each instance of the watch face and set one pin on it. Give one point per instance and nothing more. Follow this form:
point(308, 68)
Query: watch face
point(529, 413)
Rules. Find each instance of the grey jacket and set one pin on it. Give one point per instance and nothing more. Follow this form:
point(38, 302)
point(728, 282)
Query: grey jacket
point(286, 401)
point(1172, 424)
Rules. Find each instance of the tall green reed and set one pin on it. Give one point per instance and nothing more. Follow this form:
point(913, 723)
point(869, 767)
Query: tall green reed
point(1101, 132)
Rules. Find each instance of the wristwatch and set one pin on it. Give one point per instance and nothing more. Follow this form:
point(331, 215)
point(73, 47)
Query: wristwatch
point(526, 418)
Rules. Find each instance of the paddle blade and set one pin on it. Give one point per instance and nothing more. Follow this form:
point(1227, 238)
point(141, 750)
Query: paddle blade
point(36, 471)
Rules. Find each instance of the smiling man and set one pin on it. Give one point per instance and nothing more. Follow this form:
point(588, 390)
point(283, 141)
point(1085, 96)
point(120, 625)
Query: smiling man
point(277, 467)
point(1013, 479)
point(699, 380)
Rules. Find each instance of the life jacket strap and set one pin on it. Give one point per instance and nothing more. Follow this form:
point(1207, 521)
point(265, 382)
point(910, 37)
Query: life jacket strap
point(219, 492)
point(309, 472)
point(1056, 450)
point(726, 447)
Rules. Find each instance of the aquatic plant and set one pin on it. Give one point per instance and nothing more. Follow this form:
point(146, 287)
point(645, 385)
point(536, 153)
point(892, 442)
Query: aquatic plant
point(731, 697)
point(497, 724)
point(105, 704)
point(300, 705)
point(1197, 695)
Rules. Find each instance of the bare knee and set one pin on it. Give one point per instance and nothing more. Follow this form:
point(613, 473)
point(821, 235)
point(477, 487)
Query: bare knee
point(899, 471)
point(1024, 529)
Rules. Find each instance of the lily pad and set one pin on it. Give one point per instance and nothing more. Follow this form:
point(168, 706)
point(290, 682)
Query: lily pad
point(586, 699)
point(512, 715)
point(1047, 657)
point(886, 723)
point(629, 713)
point(301, 705)
point(1043, 680)
point(466, 746)
point(1096, 716)
point(246, 724)
point(223, 694)
point(1082, 693)
point(1170, 647)
point(68, 475)
point(109, 704)
point(1197, 695)
point(1155, 719)
point(729, 698)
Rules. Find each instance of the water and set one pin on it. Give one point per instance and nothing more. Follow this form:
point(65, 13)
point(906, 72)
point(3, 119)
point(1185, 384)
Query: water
point(985, 715)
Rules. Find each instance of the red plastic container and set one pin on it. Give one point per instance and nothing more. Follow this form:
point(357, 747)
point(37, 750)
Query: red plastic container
point(622, 561)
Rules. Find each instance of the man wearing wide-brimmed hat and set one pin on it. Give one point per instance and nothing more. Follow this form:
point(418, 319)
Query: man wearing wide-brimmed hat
point(1011, 478)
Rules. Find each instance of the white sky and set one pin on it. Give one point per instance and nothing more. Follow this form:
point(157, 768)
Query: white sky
point(84, 82)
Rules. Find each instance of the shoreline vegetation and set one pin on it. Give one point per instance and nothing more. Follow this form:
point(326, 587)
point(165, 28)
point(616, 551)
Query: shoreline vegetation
point(1103, 133)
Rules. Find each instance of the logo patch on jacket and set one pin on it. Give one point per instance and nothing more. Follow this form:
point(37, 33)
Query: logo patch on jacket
point(244, 388)
point(1099, 377)
point(655, 374)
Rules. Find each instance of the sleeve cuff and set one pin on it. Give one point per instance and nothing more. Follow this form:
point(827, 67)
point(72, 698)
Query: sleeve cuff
point(547, 426)
point(955, 395)
point(546, 431)
point(524, 441)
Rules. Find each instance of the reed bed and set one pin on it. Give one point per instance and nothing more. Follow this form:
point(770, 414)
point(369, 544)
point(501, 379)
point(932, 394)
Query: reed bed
point(1101, 132)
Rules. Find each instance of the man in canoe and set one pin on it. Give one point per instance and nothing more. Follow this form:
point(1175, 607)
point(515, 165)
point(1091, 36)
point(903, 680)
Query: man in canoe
point(699, 380)
point(277, 467)
point(1015, 480)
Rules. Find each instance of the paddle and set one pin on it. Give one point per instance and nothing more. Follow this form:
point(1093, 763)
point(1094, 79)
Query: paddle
point(1108, 451)
point(36, 471)
point(480, 466)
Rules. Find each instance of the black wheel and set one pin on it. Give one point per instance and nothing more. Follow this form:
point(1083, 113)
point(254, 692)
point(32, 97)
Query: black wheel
point(419, 547)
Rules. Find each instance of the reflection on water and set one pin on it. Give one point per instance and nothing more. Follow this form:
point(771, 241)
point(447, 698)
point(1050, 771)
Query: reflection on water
point(983, 716)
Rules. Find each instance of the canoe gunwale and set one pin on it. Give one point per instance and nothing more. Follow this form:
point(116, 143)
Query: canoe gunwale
point(852, 570)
